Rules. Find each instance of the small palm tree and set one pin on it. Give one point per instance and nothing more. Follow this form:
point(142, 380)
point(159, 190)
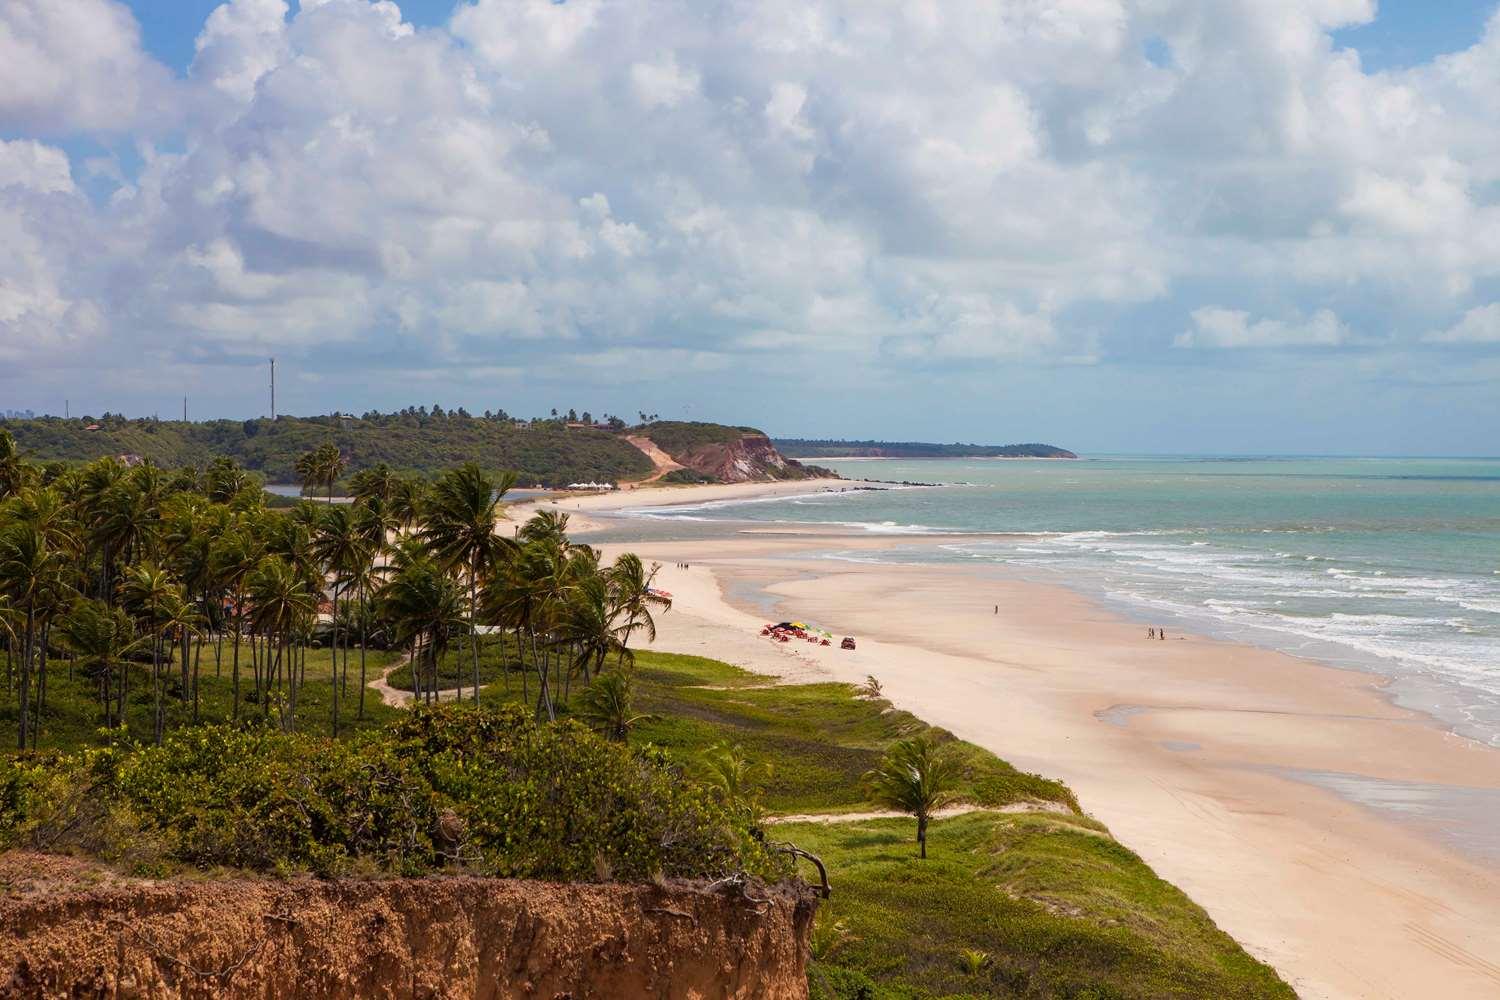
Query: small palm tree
point(737, 781)
point(916, 777)
point(608, 705)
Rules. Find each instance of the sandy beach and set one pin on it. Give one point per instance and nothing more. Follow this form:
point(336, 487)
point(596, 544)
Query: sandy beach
point(1235, 772)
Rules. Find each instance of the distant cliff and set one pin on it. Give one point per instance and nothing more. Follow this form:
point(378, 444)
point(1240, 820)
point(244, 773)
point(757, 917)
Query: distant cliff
point(715, 453)
point(827, 448)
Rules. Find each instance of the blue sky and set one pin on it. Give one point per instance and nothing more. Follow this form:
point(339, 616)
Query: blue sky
point(1201, 226)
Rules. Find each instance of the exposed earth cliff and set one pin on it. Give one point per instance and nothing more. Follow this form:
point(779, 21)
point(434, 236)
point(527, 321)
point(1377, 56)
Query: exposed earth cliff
point(717, 453)
point(68, 928)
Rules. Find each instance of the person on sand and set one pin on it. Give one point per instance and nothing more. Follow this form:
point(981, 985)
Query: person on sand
point(1161, 634)
point(1151, 633)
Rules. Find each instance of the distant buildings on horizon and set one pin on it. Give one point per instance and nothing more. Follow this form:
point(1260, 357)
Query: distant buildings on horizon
point(17, 414)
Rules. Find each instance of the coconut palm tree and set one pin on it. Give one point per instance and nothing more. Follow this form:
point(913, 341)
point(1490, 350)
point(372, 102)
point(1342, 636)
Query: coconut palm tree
point(330, 464)
point(15, 472)
point(340, 549)
point(283, 602)
point(378, 482)
point(424, 607)
point(156, 601)
point(34, 579)
point(460, 531)
point(737, 781)
point(232, 558)
point(608, 704)
point(635, 596)
point(101, 636)
point(916, 776)
point(591, 628)
point(408, 496)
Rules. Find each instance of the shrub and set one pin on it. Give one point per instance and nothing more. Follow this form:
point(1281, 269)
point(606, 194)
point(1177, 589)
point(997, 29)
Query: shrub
point(489, 791)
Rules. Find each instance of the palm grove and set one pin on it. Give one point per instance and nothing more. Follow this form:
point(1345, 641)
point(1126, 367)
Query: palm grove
point(143, 581)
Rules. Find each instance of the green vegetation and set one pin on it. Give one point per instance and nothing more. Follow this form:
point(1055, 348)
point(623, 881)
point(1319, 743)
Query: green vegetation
point(169, 642)
point(1030, 904)
point(421, 442)
point(678, 437)
point(819, 740)
point(687, 477)
point(485, 791)
point(1011, 905)
point(73, 719)
point(826, 448)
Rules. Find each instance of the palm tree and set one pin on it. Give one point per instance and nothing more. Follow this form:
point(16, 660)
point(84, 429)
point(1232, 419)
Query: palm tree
point(590, 628)
point(374, 523)
point(157, 603)
point(101, 637)
point(283, 603)
point(408, 496)
point(330, 464)
point(232, 559)
point(424, 607)
point(635, 596)
point(14, 470)
point(917, 777)
point(33, 578)
point(378, 482)
point(460, 531)
point(736, 781)
point(340, 549)
point(608, 704)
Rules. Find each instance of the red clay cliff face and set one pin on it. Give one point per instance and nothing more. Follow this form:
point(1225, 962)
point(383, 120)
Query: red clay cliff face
point(752, 457)
point(67, 929)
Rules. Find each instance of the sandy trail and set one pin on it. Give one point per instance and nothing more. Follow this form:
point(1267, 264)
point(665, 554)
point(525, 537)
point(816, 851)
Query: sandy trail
point(397, 698)
point(1190, 751)
point(663, 462)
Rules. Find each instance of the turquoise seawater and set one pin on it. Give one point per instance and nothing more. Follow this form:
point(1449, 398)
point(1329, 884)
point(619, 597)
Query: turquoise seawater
point(1391, 565)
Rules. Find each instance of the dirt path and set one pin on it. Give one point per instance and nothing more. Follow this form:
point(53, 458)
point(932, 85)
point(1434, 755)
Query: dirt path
point(659, 458)
point(943, 813)
point(397, 698)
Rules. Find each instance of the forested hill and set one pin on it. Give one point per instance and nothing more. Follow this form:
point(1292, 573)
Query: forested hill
point(809, 448)
point(546, 452)
point(543, 452)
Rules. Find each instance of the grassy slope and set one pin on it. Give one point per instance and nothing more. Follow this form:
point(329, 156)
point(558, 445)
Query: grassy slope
point(72, 719)
point(1061, 909)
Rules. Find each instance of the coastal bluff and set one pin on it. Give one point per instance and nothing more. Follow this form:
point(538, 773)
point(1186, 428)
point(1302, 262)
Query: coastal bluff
point(70, 928)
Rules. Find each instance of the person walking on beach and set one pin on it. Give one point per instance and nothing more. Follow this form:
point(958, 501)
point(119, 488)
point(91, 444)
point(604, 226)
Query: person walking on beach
point(1151, 633)
point(1161, 634)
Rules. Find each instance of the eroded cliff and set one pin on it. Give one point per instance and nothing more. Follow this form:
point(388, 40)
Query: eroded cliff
point(68, 928)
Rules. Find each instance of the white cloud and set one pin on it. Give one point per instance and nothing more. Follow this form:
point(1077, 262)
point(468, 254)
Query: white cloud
point(1480, 325)
point(915, 184)
point(1215, 327)
point(35, 167)
point(77, 65)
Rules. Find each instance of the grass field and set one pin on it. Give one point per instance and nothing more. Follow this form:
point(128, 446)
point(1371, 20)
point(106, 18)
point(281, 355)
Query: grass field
point(72, 717)
point(1033, 904)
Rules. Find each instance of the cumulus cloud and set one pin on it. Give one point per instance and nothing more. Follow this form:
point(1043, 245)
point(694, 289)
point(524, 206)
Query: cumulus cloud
point(1480, 325)
point(78, 65)
point(1215, 327)
point(901, 184)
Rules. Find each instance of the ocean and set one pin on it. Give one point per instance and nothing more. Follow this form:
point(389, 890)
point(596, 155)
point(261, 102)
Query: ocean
point(1390, 565)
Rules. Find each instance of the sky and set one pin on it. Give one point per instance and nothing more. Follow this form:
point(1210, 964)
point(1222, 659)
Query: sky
point(1252, 226)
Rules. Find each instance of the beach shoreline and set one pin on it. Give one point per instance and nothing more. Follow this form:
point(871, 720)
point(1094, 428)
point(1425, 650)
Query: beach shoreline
point(1219, 763)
